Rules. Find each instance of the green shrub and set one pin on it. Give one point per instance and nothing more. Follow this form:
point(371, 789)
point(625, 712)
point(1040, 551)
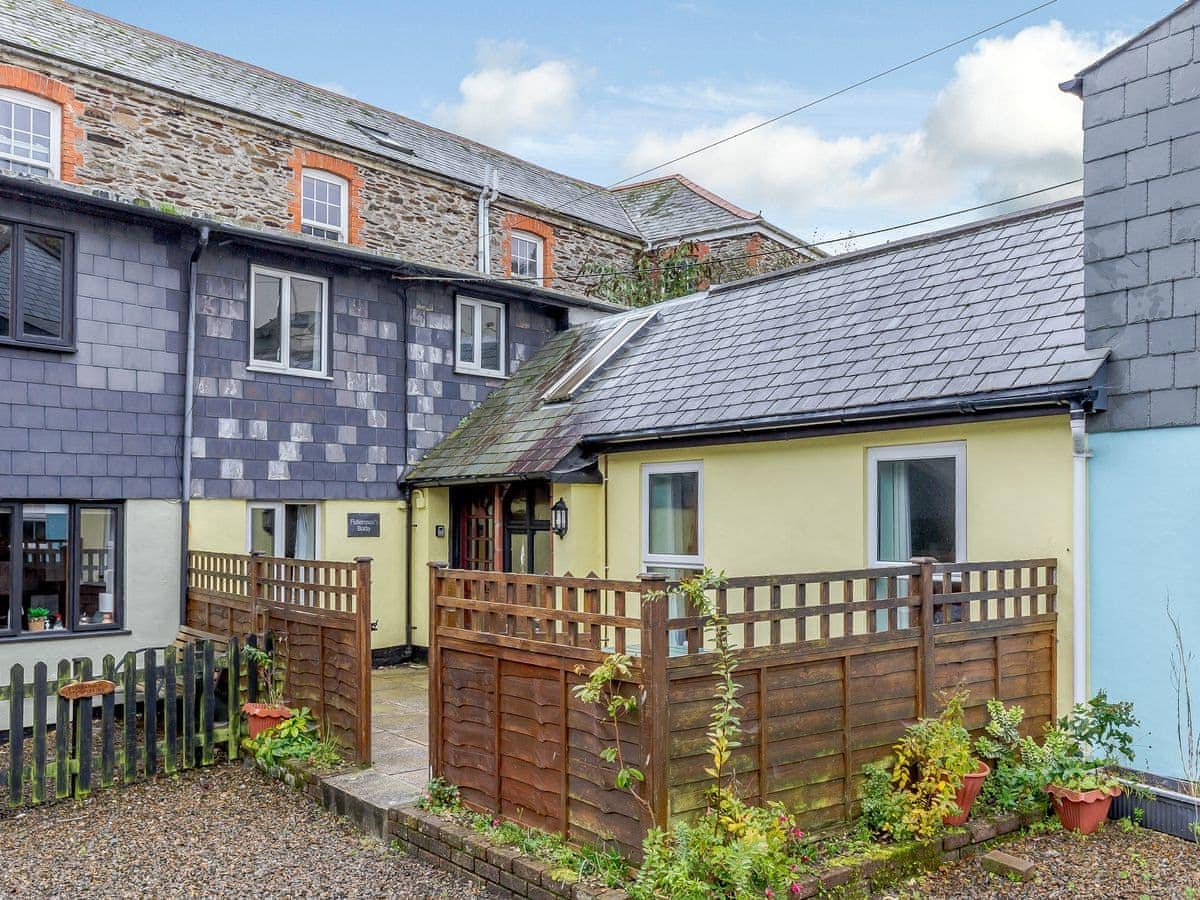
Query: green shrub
point(296, 737)
point(734, 851)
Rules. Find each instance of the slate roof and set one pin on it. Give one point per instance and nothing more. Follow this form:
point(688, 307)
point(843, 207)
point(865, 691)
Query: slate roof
point(988, 312)
point(95, 41)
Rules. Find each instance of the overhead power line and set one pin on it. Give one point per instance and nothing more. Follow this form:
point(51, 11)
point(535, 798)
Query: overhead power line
point(810, 104)
point(580, 276)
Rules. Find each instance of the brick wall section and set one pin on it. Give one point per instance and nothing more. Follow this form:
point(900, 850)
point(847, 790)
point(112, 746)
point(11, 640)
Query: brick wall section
point(148, 144)
point(1141, 116)
point(104, 421)
point(507, 872)
point(265, 435)
point(504, 871)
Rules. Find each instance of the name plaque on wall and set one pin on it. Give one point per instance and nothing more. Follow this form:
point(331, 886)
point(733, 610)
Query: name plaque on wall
point(362, 525)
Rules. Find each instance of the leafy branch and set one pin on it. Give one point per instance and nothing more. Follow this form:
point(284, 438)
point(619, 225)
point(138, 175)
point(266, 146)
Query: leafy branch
point(602, 687)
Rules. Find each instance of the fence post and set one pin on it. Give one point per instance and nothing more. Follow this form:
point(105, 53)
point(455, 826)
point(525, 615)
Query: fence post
point(435, 673)
point(654, 682)
point(257, 572)
point(925, 699)
point(362, 587)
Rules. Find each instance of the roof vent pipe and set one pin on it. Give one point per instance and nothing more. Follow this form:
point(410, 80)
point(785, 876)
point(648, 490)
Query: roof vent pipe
point(489, 192)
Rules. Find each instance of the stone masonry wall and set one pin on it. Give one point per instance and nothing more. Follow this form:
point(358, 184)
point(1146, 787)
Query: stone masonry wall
point(1141, 116)
point(146, 144)
point(266, 435)
point(104, 421)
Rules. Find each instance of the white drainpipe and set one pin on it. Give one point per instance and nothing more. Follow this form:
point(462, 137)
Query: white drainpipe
point(490, 191)
point(1079, 560)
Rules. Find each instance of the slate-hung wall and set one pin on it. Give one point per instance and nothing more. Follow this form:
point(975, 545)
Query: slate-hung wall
point(164, 148)
point(102, 419)
point(1142, 212)
point(266, 436)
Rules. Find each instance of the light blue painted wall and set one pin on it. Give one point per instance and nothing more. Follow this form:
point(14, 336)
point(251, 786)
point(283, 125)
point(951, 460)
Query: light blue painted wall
point(1144, 497)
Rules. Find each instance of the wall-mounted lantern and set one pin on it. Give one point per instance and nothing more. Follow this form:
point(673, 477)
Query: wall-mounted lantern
point(558, 517)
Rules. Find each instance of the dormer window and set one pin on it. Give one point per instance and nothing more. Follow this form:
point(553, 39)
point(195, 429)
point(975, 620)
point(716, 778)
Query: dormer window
point(30, 134)
point(323, 211)
point(527, 252)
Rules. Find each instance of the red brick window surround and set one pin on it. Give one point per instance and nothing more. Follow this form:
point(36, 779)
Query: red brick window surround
point(312, 159)
point(516, 222)
point(24, 81)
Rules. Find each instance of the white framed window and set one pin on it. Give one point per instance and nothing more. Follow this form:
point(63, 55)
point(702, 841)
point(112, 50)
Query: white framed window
point(526, 254)
point(480, 339)
point(284, 530)
point(917, 502)
point(288, 315)
point(673, 515)
point(324, 205)
point(30, 134)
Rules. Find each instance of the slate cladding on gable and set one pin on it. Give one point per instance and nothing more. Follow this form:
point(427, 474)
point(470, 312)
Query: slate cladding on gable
point(267, 435)
point(1141, 174)
point(986, 308)
point(104, 420)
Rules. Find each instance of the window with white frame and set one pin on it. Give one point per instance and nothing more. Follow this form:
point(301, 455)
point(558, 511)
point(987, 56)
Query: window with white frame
point(30, 134)
point(673, 529)
point(323, 205)
point(285, 530)
point(918, 502)
point(525, 252)
point(288, 313)
point(480, 343)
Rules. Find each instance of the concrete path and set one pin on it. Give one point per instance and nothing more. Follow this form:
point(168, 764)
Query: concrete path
point(399, 749)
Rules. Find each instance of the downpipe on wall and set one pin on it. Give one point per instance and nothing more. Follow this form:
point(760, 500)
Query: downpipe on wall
point(189, 391)
point(490, 191)
point(1079, 557)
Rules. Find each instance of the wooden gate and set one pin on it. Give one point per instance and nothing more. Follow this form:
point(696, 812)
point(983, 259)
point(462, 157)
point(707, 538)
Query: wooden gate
point(161, 710)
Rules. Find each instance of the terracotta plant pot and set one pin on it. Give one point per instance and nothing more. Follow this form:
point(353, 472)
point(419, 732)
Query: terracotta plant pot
point(1081, 811)
point(261, 716)
point(966, 795)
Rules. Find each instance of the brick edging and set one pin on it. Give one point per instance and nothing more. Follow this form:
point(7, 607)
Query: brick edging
point(503, 869)
point(510, 873)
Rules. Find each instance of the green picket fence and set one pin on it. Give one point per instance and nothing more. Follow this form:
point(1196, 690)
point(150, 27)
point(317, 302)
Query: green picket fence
point(163, 709)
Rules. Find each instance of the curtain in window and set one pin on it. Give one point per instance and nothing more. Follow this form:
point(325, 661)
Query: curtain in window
point(895, 513)
point(674, 514)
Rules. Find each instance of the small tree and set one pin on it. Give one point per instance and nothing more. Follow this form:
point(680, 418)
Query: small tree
point(1186, 735)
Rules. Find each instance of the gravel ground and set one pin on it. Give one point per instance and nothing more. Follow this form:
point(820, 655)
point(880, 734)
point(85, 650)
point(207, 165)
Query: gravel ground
point(217, 832)
point(1112, 863)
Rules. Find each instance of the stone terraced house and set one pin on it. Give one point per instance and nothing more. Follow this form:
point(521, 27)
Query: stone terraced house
point(342, 283)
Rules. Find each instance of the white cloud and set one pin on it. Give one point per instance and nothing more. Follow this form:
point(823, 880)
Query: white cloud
point(502, 101)
point(1000, 127)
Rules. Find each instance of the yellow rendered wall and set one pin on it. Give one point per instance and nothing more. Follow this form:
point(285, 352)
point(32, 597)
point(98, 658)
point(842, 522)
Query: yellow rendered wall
point(775, 507)
point(220, 526)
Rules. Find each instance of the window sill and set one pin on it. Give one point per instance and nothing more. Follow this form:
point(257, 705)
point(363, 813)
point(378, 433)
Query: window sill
point(481, 373)
point(294, 373)
point(33, 637)
point(35, 345)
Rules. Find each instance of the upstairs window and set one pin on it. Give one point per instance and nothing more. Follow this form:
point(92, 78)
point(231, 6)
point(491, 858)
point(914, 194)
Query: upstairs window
point(288, 313)
point(323, 205)
point(480, 342)
point(36, 270)
point(526, 252)
point(30, 134)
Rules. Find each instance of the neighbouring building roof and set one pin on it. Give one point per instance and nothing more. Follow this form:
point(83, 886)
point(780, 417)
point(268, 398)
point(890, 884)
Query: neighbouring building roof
point(665, 209)
point(97, 42)
point(987, 314)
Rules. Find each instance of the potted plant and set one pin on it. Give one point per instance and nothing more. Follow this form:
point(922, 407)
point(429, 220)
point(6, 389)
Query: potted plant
point(37, 618)
point(935, 766)
point(261, 716)
point(1091, 738)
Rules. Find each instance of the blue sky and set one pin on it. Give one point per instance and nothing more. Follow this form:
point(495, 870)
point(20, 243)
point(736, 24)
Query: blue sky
point(603, 90)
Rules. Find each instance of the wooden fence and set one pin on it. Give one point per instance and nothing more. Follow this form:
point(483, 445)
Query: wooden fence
point(158, 710)
point(831, 666)
point(320, 613)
